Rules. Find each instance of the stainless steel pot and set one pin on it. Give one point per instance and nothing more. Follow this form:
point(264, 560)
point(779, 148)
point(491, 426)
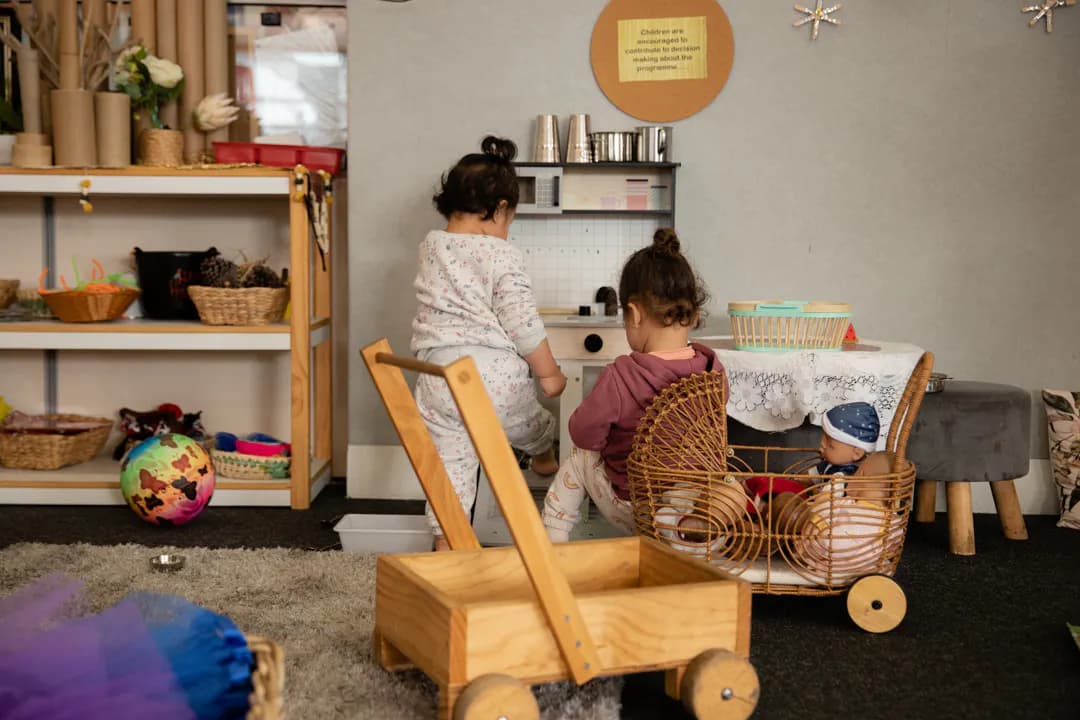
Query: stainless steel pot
point(613, 146)
point(936, 383)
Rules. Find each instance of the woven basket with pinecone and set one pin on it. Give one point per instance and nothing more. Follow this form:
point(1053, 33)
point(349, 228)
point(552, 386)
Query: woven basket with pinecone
point(251, 293)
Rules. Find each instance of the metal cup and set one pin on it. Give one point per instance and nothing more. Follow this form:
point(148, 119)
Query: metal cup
point(654, 143)
point(546, 148)
point(577, 140)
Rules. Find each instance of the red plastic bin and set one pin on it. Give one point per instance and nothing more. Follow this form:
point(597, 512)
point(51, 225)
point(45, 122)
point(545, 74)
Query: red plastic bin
point(284, 156)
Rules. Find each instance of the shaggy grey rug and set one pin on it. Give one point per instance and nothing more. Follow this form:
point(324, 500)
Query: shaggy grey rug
point(317, 605)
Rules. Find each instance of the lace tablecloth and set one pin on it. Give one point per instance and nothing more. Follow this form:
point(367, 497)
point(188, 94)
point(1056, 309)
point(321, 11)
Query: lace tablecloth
point(777, 391)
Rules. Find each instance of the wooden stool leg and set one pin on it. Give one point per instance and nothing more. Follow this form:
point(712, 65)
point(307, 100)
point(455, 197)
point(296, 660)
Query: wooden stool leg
point(1008, 509)
point(925, 501)
point(961, 522)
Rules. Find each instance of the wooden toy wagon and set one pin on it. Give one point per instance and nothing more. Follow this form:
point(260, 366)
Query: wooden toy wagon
point(760, 513)
point(484, 624)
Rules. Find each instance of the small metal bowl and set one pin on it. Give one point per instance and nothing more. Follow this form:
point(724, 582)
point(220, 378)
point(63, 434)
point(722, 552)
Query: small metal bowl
point(936, 383)
point(167, 563)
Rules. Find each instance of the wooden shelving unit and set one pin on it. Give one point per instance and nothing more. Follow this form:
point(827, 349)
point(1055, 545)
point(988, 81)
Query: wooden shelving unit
point(306, 337)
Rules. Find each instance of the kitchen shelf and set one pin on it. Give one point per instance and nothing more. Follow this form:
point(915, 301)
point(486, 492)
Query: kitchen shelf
point(145, 334)
point(162, 182)
point(662, 165)
point(306, 337)
point(620, 213)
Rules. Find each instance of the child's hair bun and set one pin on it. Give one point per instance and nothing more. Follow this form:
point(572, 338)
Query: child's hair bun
point(666, 242)
point(500, 149)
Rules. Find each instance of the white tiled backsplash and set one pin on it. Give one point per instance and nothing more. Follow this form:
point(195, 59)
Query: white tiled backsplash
point(569, 258)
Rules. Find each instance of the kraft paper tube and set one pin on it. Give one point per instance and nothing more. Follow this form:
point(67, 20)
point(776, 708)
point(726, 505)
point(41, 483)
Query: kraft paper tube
point(74, 136)
point(143, 24)
point(217, 57)
point(68, 23)
point(30, 85)
point(31, 156)
point(113, 125)
point(94, 13)
point(189, 43)
point(25, 138)
point(166, 48)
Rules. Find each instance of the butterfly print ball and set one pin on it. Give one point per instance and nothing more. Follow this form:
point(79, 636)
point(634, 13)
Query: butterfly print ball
point(167, 480)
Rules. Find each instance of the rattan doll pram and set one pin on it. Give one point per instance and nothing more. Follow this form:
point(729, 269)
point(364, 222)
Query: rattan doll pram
point(760, 513)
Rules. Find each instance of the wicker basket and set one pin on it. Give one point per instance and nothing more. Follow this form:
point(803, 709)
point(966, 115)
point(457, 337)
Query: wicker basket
point(75, 306)
point(242, 466)
point(43, 451)
point(267, 679)
point(239, 306)
point(8, 288)
point(780, 325)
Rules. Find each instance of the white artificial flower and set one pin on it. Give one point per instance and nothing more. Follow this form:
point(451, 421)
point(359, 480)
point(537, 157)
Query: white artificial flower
point(215, 112)
point(164, 73)
point(121, 74)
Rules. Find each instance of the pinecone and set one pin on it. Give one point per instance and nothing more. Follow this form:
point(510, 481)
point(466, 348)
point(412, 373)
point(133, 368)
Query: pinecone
point(259, 275)
point(216, 271)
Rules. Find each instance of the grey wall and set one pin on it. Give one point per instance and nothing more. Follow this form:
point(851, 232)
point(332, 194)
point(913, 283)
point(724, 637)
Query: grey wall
point(919, 162)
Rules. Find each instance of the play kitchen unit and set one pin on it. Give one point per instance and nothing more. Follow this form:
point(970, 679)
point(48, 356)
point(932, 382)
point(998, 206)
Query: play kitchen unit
point(576, 224)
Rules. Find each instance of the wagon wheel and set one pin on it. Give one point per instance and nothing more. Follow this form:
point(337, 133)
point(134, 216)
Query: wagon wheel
point(496, 697)
point(720, 685)
point(876, 603)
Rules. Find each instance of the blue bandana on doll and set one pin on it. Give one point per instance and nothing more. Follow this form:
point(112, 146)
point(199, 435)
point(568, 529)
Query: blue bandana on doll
point(853, 424)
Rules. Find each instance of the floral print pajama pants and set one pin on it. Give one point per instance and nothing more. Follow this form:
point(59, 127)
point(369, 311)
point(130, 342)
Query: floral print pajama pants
point(583, 474)
point(527, 424)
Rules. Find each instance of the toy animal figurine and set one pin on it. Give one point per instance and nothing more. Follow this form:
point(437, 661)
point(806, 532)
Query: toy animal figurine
point(167, 418)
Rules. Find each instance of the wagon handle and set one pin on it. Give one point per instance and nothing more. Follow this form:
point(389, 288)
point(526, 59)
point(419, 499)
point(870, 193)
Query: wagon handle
point(907, 410)
point(497, 458)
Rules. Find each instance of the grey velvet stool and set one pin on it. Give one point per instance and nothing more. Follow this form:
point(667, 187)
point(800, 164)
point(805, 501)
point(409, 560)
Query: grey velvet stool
point(971, 432)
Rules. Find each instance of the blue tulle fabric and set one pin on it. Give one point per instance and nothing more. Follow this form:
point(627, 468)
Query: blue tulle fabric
point(148, 656)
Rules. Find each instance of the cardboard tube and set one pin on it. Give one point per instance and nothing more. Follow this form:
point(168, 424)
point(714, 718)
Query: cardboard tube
point(74, 136)
point(113, 126)
point(217, 57)
point(143, 24)
point(31, 156)
point(30, 86)
point(68, 24)
point(25, 138)
point(189, 43)
point(166, 48)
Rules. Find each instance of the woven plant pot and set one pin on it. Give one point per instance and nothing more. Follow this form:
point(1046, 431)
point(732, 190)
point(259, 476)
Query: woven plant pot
point(251, 467)
point(239, 306)
point(267, 680)
point(8, 289)
point(45, 451)
point(31, 301)
point(76, 306)
point(161, 148)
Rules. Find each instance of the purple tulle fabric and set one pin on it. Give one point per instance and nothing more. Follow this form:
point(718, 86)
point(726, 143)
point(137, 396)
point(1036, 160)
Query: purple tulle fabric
point(56, 665)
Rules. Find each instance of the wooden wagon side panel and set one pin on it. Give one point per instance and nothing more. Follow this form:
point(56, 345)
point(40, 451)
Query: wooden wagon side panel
point(635, 630)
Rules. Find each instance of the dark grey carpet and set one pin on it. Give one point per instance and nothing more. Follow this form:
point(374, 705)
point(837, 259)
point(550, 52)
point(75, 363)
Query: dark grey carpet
point(984, 637)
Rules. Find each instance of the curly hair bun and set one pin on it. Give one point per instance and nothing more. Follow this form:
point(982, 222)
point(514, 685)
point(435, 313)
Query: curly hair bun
point(666, 242)
point(501, 149)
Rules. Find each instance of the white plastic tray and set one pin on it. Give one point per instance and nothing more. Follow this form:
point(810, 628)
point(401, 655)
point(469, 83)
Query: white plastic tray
point(384, 533)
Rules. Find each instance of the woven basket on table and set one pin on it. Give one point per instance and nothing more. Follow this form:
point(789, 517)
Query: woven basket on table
point(239, 306)
point(250, 467)
point(78, 306)
point(45, 451)
point(267, 679)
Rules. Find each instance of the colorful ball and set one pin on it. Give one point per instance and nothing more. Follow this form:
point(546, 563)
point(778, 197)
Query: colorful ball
point(167, 480)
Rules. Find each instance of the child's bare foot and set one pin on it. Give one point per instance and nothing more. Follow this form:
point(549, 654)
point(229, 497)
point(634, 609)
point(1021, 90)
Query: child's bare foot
point(441, 545)
point(544, 464)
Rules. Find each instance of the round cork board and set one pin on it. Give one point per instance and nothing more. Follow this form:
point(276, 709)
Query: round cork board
point(662, 60)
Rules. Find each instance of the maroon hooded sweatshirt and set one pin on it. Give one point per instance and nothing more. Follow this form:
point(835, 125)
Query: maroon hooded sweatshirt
point(607, 419)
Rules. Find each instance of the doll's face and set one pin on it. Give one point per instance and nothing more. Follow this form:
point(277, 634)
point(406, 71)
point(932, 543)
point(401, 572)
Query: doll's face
point(835, 452)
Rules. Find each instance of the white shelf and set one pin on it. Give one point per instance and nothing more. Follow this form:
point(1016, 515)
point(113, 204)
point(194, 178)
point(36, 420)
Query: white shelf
point(243, 182)
point(140, 335)
point(98, 483)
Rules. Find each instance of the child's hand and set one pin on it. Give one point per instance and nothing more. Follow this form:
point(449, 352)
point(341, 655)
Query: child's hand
point(553, 385)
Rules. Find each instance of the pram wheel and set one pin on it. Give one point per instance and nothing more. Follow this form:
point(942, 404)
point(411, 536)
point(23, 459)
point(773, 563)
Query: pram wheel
point(496, 696)
point(876, 603)
point(720, 685)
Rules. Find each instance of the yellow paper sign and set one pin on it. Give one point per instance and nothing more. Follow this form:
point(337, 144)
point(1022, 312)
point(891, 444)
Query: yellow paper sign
point(662, 49)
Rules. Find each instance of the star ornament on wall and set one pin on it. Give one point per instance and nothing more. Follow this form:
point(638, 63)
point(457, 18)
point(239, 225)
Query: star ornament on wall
point(1045, 10)
point(817, 16)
